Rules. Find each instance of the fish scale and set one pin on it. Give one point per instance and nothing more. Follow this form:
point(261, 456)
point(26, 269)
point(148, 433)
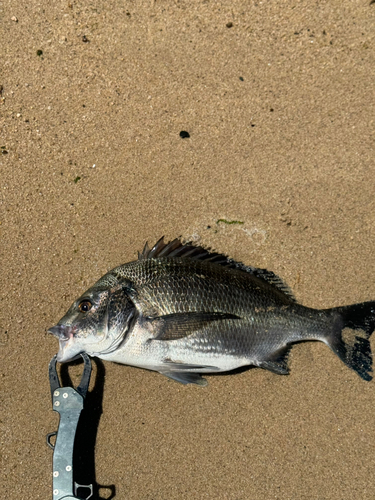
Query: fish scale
point(197, 285)
point(183, 310)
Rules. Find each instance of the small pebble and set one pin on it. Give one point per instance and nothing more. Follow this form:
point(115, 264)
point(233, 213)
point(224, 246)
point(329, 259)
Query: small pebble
point(14, 18)
point(229, 25)
point(184, 134)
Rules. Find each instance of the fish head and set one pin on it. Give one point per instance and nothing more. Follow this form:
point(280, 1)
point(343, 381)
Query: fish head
point(96, 323)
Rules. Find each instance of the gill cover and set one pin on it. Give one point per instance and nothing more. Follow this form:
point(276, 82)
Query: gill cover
point(119, 318)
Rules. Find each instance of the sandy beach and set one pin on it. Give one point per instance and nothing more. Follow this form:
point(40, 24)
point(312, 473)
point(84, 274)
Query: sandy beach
point(277, 99)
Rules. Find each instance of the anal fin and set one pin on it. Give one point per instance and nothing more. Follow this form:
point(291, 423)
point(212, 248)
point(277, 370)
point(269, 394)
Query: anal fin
point(278, 361)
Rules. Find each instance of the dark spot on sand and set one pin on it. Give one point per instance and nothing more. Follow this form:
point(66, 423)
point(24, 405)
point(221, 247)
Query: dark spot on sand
point(184, 134)
point(225, 221)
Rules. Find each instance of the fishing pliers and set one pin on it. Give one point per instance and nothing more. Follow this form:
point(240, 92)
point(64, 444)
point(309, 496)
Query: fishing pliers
point(68, 402)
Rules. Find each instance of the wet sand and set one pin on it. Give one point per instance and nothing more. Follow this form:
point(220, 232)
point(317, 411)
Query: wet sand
point(278, 101)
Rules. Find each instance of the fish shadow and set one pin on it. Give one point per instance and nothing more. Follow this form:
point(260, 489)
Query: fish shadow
point(85, 439)
point(236, 371)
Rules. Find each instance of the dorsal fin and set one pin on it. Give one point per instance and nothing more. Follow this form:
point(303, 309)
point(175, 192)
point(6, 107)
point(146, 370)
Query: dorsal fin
point(177, 248)
point(268, 276)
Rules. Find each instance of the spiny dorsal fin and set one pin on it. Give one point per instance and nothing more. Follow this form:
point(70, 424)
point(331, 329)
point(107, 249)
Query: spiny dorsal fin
point(177, 248)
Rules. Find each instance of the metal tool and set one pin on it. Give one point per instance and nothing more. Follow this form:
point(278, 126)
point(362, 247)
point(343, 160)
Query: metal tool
point(68, 402)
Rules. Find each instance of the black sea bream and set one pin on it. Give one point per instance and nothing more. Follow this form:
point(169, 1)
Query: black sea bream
point(182, 310)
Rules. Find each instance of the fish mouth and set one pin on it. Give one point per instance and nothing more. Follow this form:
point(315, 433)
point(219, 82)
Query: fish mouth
point(67, 350)
point(61, 332)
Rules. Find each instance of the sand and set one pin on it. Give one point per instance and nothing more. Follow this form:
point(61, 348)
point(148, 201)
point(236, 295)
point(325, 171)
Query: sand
point(278, 100)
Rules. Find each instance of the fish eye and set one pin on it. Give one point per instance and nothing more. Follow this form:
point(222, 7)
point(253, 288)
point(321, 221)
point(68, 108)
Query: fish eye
point(85, 306)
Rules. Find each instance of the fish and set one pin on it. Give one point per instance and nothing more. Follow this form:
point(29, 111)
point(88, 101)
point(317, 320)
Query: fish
point(184, 311)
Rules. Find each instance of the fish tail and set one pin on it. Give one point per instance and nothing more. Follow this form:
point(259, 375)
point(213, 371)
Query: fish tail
point(353, 327)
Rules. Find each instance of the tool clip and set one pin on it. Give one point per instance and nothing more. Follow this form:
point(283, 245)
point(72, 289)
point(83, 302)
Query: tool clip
point(68, 402)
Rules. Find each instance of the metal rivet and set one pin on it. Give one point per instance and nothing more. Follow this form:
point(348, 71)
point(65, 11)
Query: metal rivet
point(68, 468)
point(65, 395)
point(56, 393)
point(55, 492)
point(55, 473)
point(57, 403)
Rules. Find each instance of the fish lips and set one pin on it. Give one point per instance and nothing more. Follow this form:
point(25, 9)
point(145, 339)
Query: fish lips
point(61, 332)
point(67, 350)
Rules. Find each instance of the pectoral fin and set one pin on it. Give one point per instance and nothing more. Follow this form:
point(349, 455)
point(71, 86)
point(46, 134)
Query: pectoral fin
point(179, 325)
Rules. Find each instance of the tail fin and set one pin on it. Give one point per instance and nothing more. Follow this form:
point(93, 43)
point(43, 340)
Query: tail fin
point(350, 337)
